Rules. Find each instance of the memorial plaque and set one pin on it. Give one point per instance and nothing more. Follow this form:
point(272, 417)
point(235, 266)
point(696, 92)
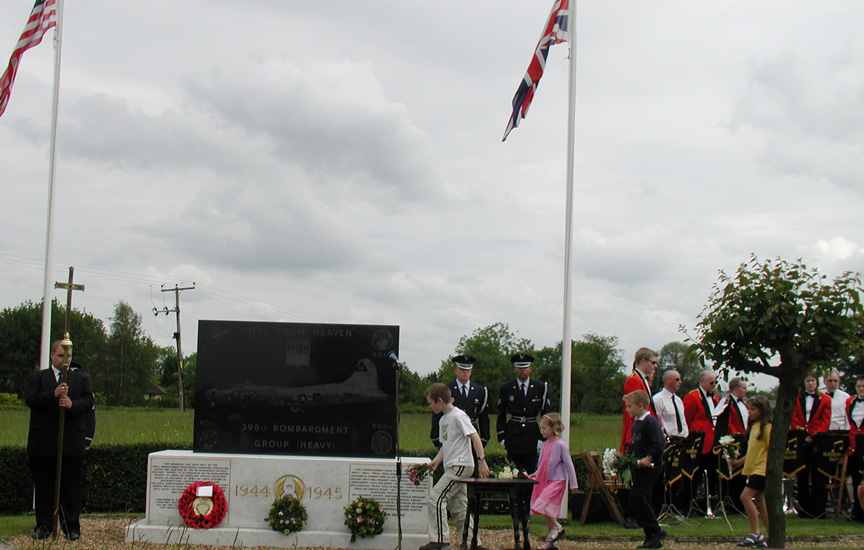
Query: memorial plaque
point(296, 389)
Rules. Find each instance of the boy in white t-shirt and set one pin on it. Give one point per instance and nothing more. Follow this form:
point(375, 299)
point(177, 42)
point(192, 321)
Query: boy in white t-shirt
point(456, 435)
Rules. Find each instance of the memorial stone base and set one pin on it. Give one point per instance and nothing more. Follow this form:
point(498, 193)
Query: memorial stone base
point(250, 483)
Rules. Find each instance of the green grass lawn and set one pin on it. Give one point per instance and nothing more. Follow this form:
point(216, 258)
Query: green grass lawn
point(715, 530)
point(118, 425)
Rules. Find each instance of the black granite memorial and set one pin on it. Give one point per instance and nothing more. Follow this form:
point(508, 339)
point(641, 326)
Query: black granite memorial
point(296, 389)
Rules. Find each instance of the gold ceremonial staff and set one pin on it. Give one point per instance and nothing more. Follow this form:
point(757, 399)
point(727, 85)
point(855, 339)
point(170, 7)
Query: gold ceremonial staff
point(66, 344)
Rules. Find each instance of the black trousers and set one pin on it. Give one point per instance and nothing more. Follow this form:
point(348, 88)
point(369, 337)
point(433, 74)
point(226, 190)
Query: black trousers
point(644, 480)
point(44, 470)
point(812, 493)
point(854, 468)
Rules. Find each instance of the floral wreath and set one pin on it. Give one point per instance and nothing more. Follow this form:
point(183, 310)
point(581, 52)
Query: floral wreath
point(364, 517)
point(287, 515)
point(202, 512)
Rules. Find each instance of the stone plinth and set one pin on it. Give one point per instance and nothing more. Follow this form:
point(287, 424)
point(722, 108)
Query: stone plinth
point(250, 483)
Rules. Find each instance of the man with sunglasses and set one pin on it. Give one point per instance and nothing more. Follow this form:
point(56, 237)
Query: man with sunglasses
point(670, 412)
point(701, 407)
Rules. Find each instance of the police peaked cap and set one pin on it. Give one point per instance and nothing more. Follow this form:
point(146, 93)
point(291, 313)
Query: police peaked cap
point(464, 361)
point(521, 360)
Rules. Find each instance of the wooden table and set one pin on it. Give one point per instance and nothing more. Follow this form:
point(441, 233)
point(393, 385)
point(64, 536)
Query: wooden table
point(519, 495)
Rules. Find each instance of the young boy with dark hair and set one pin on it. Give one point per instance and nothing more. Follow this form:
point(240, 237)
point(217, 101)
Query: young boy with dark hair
point(646, 444)
point(457, 435)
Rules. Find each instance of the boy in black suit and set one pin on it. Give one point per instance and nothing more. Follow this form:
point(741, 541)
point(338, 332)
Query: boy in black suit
point(646, 444)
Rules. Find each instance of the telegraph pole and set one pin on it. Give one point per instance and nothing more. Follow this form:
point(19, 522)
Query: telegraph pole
point(176, 290)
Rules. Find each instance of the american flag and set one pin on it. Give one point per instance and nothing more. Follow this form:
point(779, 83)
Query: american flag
point(556, 31)
point(42, 18)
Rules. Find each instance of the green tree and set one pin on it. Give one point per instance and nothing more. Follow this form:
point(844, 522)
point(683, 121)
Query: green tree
point(547, 367)
point(684, 359)
point(131, 360)
point(493, 346)
point(411, 388)
point(779, 309)
point(167, 375)
point(20, 337)
point(598, 374)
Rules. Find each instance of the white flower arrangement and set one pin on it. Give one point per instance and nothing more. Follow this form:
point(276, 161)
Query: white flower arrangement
point(609, 458)
point(508, 473)
point(730, 447)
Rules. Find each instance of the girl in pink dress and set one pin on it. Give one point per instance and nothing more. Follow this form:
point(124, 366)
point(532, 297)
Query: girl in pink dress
point(555, 470)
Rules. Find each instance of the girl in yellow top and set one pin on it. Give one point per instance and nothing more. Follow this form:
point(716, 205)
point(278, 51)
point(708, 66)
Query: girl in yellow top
point(753, 495)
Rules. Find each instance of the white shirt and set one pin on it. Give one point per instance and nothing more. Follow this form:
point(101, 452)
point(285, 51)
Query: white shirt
point(857, 413)
point(838, 411)
point(454, 429)
point(665, 403)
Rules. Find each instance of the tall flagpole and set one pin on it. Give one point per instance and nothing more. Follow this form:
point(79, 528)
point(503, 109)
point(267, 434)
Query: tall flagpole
point(568, 237)
point(567, 337)
point(45, 352)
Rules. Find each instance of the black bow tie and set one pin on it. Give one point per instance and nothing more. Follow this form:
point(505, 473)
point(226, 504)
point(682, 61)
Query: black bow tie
point(830, 394)
point(813, 395)
point(859, 400)
point(709, 394)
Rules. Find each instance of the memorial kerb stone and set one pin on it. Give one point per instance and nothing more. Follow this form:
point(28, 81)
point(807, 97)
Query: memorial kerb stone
point(296, 389)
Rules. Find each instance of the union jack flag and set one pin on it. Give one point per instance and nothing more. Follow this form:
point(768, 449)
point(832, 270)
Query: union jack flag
point(556, 31)
point(42, 18)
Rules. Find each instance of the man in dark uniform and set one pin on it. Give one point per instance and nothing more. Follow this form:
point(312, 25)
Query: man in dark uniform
point(45, 393)
point(471, 398)
point(524, 399)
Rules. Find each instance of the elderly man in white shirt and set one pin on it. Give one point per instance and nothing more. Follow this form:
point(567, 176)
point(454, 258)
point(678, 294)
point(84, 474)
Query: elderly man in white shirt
point(838, 401)
point(670, 407)
point(670, 412)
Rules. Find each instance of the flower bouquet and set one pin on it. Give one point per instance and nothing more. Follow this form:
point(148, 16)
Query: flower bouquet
point(616, 465)
point(364, 517)
point(509, 471)
point(417, 473)
point(730, 449)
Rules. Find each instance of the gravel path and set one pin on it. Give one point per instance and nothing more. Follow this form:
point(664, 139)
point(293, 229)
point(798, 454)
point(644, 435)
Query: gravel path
point(108, 534)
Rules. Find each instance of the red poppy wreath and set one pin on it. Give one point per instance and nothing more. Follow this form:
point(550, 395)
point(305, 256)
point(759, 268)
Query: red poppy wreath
point(202, 512)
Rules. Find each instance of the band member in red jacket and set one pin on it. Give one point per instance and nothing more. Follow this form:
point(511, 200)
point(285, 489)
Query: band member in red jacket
point(812, 413)
point(644, 366)
point(733, 421)
point(701, 407)
point(855, 416)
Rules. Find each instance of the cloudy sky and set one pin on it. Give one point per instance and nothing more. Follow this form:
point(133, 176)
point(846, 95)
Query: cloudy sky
point(341, 162)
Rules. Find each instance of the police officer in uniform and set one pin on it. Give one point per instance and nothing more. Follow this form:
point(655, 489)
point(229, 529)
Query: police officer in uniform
point(523, 399)
point(468, 396)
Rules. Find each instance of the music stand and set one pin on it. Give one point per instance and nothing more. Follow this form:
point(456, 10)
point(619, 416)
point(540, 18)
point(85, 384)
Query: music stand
point(671, 475)
point(793, 463)
point(831, 462)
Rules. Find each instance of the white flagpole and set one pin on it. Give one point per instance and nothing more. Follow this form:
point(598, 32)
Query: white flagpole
point(568, 237)
point(49, 231)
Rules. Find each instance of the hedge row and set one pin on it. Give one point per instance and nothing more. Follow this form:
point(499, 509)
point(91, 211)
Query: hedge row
point(115, 477)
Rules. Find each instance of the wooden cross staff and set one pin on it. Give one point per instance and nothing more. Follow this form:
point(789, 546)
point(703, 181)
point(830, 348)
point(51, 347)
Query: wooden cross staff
point(66, 344)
